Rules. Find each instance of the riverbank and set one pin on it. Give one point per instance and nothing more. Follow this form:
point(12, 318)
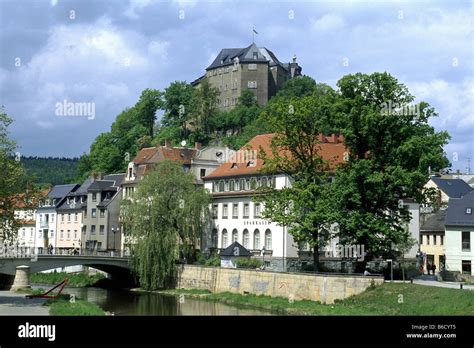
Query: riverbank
point(74, 279)
point(66, 305)
point(386, 299)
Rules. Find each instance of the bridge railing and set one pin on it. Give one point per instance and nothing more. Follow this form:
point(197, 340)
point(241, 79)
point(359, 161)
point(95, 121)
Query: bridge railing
point(14, 251)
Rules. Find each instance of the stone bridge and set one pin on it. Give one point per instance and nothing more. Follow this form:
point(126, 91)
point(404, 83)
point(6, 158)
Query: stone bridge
point(15, 267)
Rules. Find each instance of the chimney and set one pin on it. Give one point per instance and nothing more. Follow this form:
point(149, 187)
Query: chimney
point(197, 145)
point(321, 138)
point(334, 138)
point(167, 144)
point(96, 176)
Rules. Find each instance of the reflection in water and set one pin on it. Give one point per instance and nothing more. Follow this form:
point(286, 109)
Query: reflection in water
point(122, 302)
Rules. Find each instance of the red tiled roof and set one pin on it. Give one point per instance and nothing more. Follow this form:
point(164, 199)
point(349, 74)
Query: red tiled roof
point(157, 154)
point(331, 149)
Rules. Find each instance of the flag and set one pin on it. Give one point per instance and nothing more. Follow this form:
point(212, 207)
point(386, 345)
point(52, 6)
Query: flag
point(255, 31)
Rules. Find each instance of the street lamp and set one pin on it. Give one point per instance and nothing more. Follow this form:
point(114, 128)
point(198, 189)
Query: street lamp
point(114, 230)
point(263, 254)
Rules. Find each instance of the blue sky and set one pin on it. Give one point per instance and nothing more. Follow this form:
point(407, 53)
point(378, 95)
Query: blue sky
point(107, 52)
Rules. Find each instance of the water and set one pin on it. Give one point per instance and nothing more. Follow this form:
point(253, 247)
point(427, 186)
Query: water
point(121, 302)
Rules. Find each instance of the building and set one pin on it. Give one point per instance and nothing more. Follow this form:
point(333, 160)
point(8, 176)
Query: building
point(413, 226)
point(237, 217)
point(459, 232)
point(432, 239)
point(101, 217)
point(46, 227)
point(447, 189)
point(69, 222)
point(254, 68)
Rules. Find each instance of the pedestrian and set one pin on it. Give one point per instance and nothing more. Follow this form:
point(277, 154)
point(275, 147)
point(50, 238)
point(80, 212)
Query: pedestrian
point(433, 268)
point(429, 268)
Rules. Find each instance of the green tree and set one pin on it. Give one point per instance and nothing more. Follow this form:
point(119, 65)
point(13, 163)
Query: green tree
point(306, 207)
point(150, 101)
point(204, 109)
point(177, 104)
point(301, 86)
point(390, 149)
point(15, 185)
point(166, 218)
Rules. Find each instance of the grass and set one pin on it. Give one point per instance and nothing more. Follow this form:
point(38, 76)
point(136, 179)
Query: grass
point(64, 306)
point(74, 279)
point(386, 299)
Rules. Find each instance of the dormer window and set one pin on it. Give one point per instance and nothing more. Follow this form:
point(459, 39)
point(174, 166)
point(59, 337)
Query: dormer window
point(468, 210)
point(255, 55)
point(234, 165)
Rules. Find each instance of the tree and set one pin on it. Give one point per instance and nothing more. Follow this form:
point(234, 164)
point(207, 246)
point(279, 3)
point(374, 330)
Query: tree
point(390, 150)
point(306, 206)
point(177, 104)
point(15, 185)
point(204, 109)
point(150, 101)
point(301, 86)
point(167, 217)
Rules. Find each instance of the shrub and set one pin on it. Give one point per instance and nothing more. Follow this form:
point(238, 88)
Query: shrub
point(213, 261)
point(248, 263)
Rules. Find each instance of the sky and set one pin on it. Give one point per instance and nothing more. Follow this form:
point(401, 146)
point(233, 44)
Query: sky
point(105, 53)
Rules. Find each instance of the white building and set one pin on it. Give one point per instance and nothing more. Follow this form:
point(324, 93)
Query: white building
point(46, 215)
point(236, 214)
point(27, 231)
point(459, 235)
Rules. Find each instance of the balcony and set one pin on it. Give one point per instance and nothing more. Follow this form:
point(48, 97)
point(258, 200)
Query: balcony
point(44, 224)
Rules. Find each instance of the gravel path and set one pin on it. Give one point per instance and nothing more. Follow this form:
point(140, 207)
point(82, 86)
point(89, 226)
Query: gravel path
point(12, 303)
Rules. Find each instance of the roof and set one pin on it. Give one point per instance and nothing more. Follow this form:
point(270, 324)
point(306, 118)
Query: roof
point(235, 249)
point(434, 222)
point(158, 154)
point(331, 149)
point(457, 211)
point(227, 55)
point(60, 191)
point(453, 188)
point(109, 182)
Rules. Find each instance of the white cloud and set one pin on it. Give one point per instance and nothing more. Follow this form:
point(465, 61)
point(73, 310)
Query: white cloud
point(134, 6)
point(328, 22)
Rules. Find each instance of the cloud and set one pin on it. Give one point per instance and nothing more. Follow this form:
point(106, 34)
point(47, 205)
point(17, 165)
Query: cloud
point(328, 22)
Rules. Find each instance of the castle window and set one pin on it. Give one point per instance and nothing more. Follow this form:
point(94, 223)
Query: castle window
point(255, 55)
point(252, 84)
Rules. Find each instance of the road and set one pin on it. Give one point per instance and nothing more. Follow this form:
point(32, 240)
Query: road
point(12, 303)
point(451, 285)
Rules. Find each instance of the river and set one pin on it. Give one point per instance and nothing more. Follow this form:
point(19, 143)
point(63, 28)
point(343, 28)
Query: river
point(122, 302)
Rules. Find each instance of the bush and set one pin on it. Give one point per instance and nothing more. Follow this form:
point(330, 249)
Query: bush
point(213, 261)
point(248, 263)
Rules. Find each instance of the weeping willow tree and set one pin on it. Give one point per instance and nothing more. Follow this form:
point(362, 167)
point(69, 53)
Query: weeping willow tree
point(164, 221)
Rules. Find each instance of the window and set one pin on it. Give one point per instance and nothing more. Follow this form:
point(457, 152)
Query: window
point(256, 239)
point(257, 209)
point(203, 172)
point(62, 235)
point(466, 241)
point(255, 55)
point(466, 266)
point(94, 213)
point(237, 185)
point(231, 185)
point(214, 211)
point(245, 239)
point(235, 211)
point(234, 84)
point(214, 238)
point(51, 233)
point(434, 239)
point(253, 183)
point(252, 84)
point(226, 102)
point(85, 214)
point(93, 229)
point(246, 211)
point(264, 181)
point(130, 172)
point(247, 184)
point(68, 217)
point(24, 232)
point(226, 186)
point(75, 234)
point(101, 229)
point(242, 184)
point(102, 212)
point(224, 238)
point(268, 240)
point(427, 239)
point(235, 236)
point(62, 217)
point(221, 186)
point(468, 210)
point(52, 218)
point(441, 240)
point(68, 234)
point(224, 211)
